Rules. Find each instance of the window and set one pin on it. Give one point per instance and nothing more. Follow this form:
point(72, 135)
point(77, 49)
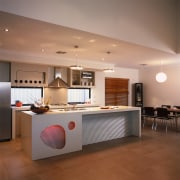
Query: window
point(27, 95)
point(79, 95)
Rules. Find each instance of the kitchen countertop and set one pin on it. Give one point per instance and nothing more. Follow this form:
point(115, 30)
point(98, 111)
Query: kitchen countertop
point(86, 110)
point(20, 108)
point(69, 105)
point(56, 106)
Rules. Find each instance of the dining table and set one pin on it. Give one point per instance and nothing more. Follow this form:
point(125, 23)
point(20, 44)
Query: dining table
point(176, 114)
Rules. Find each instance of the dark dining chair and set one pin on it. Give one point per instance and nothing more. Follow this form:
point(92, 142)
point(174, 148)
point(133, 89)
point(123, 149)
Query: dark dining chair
point(163, 115)
point(177, 113)
point(177, 116)
point(178, 107)
point(148, 113)
point(168, 107)
point(165, 106)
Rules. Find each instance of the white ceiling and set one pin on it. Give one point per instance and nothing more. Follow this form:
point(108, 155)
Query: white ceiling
point(42, 40)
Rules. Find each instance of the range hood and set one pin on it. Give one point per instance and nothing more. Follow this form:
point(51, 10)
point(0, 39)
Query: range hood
point(58, 82)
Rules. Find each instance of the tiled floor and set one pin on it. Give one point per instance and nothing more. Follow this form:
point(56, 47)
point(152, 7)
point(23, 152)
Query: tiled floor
point(155, 156)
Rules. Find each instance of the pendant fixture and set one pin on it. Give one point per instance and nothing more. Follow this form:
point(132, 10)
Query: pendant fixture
point(161, 76)
point(76, 66)
point(108, 70)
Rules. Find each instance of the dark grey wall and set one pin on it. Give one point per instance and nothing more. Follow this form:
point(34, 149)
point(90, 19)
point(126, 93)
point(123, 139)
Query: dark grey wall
point(4, 71)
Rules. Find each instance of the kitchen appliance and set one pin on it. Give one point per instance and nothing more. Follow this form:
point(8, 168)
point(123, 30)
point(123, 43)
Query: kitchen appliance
point(58, 82)
point(5, 111)
point(87, 74)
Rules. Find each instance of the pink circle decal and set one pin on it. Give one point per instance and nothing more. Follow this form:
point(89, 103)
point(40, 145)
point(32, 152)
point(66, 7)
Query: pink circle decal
point(71, 125)
point(54, 136)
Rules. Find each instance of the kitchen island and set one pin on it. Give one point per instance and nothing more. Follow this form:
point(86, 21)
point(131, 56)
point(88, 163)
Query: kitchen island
point(63, 131)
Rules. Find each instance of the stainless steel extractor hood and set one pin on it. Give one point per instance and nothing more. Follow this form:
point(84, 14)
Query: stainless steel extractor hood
point(58, 82)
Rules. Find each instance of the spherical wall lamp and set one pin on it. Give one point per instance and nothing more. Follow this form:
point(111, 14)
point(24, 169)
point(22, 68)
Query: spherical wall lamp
point(161, 77)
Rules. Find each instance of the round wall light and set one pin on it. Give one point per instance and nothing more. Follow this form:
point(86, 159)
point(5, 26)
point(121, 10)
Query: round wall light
point(161, 77)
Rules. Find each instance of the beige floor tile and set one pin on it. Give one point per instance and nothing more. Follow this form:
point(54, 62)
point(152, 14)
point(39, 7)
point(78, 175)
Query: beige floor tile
point(155, 156)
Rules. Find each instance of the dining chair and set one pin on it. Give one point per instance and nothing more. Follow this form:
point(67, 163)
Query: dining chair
point(177, 113)
point(178, 107)
point(168, 107)
point(163, 115)
point(148, 113)
point(165, 106)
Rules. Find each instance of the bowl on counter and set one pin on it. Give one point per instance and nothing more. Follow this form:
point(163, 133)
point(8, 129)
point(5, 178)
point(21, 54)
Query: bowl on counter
point(39, 110)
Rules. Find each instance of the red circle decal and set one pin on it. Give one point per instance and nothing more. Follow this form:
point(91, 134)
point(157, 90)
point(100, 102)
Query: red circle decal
point(71, 125)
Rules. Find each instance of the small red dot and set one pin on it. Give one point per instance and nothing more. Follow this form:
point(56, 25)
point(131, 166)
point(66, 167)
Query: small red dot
point(71, 125)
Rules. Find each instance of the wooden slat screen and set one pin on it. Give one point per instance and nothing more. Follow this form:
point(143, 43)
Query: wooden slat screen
point(116, 91)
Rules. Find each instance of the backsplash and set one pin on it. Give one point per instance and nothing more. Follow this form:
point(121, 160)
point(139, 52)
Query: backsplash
point(55, 95)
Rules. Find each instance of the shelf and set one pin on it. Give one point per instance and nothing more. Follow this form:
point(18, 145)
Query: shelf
point(81, 78)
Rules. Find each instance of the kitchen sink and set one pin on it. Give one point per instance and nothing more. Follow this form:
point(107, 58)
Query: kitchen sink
point(72, 109)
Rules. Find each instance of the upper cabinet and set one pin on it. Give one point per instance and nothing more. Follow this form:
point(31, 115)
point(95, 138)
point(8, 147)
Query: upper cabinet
point(34, 75)
point(81, 78)
point(28, 75)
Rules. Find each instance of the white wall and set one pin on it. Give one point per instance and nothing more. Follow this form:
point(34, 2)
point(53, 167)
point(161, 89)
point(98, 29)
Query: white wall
point(151, 23)
point(98, 92)
point(156, 94)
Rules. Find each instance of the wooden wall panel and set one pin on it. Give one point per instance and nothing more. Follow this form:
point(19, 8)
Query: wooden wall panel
point(116, 91)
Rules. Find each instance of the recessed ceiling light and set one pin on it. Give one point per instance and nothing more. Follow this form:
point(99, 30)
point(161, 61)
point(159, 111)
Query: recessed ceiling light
point(77, 37)
point(114, 45)
point(92, 40)
point(6, 29)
